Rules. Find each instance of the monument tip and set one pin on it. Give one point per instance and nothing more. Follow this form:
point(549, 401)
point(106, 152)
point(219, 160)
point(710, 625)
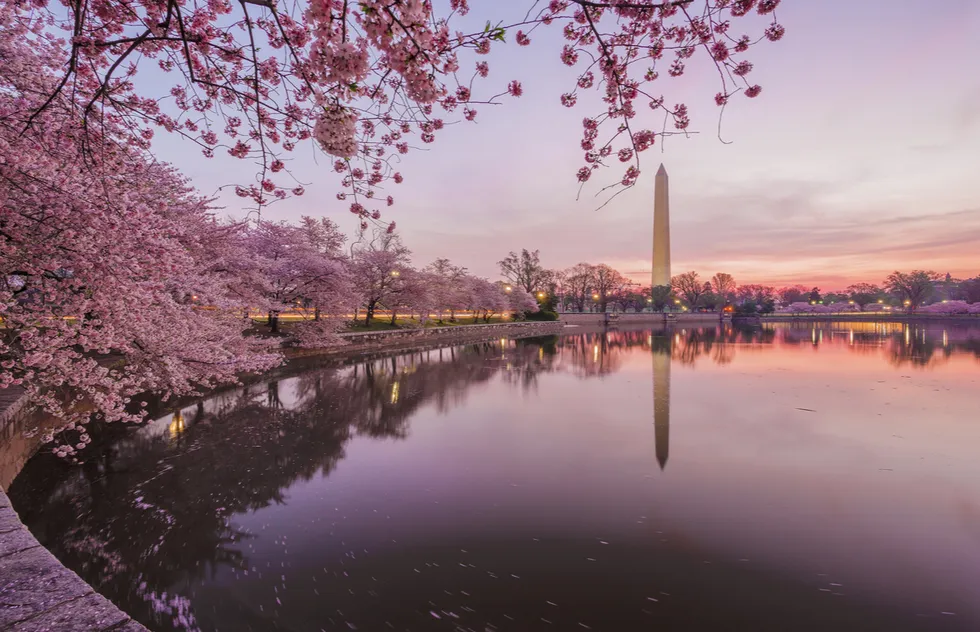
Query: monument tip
point(661, 170)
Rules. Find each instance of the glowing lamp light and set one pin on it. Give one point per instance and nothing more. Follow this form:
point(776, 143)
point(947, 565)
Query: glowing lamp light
point(595, 297)
point(677, 301)
point(176, 425)
point(396, 273)
point(540, 294)
point(507, 288)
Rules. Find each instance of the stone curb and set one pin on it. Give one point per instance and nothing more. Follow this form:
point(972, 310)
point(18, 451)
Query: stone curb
point(39, 594)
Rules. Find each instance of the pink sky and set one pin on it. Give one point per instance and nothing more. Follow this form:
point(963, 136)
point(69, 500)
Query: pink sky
point(860, 157)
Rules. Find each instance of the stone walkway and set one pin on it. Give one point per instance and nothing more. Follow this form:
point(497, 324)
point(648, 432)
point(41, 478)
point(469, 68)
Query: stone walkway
point(37, 592)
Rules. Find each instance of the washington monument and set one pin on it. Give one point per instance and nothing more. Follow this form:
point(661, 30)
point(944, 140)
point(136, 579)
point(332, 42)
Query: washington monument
point(661, 230)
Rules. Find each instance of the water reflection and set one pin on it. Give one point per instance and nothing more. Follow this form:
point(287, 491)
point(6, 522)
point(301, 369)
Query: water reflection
point(492, 449)
point(661, 405)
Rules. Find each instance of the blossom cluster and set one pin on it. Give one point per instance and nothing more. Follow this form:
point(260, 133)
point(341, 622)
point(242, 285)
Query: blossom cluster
point(362, 80)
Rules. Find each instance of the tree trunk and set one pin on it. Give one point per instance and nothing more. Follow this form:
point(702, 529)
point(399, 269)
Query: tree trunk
point(370, 313)
point(394, 315)
point(274, 322)
point(316, 313)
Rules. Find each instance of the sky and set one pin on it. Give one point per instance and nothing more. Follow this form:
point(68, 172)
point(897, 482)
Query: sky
point(860, 157)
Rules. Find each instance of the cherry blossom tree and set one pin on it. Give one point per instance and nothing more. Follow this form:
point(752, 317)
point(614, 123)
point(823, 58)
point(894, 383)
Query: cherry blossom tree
point(802, 307)
point(364, 80)
point(449, 286)
point(948, 308)
point(415, 291)
point(104, 267)
point(299, 263)
point(486, 298)
point(842, 306)
point(520, 301)
point(376, 266)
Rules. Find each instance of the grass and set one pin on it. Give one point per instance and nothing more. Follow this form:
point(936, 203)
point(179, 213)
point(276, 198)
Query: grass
point(382, 323)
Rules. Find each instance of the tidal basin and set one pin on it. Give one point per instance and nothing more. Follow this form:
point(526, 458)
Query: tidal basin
point(797, 476)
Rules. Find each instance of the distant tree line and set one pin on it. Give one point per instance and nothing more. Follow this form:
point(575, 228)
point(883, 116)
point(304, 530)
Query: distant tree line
point(588, 287)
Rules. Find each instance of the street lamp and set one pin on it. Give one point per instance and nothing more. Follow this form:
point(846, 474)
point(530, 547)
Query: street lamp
point(396, 273)
point(595, 297)
point(541, 295)
point(507, 289)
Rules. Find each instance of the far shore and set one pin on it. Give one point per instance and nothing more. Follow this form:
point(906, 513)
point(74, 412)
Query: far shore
point(873, 316)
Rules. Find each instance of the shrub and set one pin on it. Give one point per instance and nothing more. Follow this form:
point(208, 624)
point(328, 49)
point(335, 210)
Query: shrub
point(541, 315)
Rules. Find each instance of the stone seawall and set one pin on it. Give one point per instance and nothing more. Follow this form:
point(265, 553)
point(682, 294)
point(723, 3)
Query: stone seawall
point(38, 593)
point(576, 318)
point(400, 339)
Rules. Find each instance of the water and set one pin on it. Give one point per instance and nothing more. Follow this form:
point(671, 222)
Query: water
point(799, 477)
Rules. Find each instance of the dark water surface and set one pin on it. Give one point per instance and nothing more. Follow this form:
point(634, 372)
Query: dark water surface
point(799, 477)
